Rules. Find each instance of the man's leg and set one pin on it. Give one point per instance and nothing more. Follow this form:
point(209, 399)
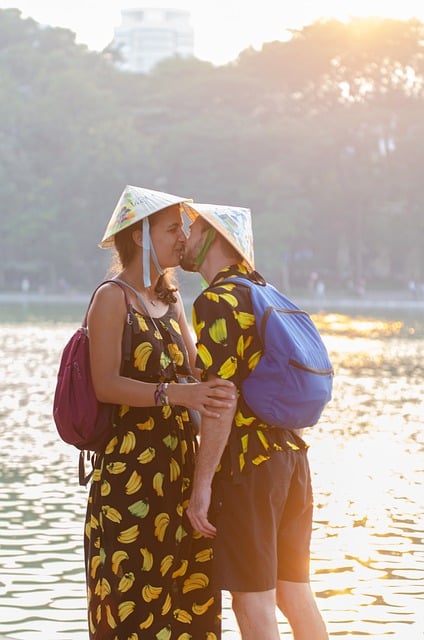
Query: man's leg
point(256, 615)
point(297, 603)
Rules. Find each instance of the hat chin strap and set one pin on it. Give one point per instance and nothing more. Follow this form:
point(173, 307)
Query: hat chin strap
point(210, 237)
point(149, 250)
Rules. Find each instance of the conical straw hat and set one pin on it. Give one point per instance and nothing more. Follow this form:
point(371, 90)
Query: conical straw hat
point(234, 223)
point(135, 204)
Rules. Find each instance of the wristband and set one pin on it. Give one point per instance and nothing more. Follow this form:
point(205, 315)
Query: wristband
point(161, 397)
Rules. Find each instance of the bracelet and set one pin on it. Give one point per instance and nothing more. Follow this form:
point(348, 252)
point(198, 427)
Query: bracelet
point(160, 394)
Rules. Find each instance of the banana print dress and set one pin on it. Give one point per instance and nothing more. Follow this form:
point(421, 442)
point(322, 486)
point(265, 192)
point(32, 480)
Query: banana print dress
point(148, 573)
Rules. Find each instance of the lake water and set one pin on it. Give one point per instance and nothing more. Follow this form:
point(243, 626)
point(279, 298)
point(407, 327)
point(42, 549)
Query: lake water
point(367, 460)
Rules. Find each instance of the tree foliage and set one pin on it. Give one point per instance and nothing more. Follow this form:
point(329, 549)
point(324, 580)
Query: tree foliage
point(321, 136)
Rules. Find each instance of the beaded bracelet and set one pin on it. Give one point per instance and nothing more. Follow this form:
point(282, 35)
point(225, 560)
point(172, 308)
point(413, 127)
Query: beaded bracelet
point(160, 394)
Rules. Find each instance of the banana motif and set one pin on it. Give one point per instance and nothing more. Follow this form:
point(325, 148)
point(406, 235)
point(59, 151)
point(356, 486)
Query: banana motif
point(180, 533)
point(228, 368)
point(228, 297)
point(166, 411)
point(200, 609)
point(126, 582)
point(240, 346)
point(175, 326)
point(167, 604)
point(95, 563)
point(204, 355)
point(146, 426)
point(147, 455)
point(210, 295)
point(125, 609)
point(142, 323)
point(264, 440)
point(164, 360)
point(142, 354)
point(105, 488)
point(150, 593)
point(111, 513)
point(218, 331)
point(195, 581)
point(245, 320)
point(166, 564)
point(204, 555)
point(116, 467)
point(111, 445)
point(241, 421)
point(259, 459)
point(147, 559)
point(128, 443)
point(185, 636)
point(158, 483)
point(147, 622)
point(211, 636)
point(117, 558)
point(110, 619)
point(102, 588)
point(134, 483)
point(197, 326)
point(161, 525)
point(174, 470)
point(182, 616)
point(170, 441)
point(254, 359)
point(176, 353)
point(140, 509)
point(130, 535)
point(164, 634)
point(123, 409)
point(181, 569)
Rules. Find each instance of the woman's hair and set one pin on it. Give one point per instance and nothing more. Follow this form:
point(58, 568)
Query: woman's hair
point(126, 248)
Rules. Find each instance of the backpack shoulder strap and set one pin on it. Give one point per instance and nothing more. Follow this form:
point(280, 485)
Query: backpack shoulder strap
point(126, 341)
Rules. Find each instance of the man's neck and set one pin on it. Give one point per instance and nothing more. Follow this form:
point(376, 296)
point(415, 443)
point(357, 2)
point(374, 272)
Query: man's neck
point(211, 267)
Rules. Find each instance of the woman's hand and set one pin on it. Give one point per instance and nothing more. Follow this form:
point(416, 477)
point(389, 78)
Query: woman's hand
point(206, 397)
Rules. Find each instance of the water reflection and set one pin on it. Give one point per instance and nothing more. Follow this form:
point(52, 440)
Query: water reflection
point(366, 456)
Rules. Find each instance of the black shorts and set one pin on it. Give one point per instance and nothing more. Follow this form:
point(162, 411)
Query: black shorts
point(264, 524)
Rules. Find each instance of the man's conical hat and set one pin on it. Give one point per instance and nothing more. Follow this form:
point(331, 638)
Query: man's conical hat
point(233, 223)
point(135, 204)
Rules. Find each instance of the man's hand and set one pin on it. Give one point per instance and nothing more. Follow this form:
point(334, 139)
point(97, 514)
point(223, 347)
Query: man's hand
point(197, 511)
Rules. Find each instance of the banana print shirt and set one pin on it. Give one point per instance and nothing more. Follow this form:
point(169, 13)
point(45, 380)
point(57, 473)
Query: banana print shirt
point(228, 346)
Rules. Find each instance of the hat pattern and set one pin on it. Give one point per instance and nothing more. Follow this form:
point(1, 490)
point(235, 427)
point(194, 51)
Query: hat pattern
point(233, 223)
point(136, 203)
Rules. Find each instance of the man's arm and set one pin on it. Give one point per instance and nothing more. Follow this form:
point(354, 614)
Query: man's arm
point(214, 433)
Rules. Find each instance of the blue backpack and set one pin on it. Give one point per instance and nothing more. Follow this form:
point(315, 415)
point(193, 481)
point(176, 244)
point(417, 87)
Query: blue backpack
point(293, 380)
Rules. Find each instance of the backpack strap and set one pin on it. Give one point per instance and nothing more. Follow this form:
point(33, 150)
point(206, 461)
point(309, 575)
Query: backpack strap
point(126, 339)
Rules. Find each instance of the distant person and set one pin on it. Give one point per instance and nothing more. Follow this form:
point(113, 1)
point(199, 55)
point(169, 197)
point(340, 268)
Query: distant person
point(148, 574)
point(25, 285)
point(252, 489)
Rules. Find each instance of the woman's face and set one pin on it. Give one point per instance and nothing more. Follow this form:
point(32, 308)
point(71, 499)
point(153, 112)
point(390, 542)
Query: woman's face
point(167, 235)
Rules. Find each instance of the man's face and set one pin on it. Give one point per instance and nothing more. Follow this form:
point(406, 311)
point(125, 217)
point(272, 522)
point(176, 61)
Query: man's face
point(194, 244)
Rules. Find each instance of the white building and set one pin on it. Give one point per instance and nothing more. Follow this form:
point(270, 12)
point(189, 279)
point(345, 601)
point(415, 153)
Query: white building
point(148, 35)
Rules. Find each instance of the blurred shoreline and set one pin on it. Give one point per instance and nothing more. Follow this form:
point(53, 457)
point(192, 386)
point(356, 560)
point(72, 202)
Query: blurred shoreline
point(370, 300)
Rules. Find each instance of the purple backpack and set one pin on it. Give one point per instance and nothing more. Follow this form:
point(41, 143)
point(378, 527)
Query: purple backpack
point(80, 418)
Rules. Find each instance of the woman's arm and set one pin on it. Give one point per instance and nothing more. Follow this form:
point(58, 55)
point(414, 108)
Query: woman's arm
point(106, 319)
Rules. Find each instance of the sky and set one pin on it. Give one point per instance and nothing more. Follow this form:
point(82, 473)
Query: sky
point(222, 28)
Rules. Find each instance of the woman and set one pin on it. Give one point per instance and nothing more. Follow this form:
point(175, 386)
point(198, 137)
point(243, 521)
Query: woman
point(148, 573)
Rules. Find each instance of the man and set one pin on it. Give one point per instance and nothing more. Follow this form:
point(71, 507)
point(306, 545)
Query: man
point(252, 489)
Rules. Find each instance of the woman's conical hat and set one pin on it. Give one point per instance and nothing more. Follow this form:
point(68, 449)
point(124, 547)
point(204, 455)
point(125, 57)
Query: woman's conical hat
point(135, 204)
point(233, 223)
